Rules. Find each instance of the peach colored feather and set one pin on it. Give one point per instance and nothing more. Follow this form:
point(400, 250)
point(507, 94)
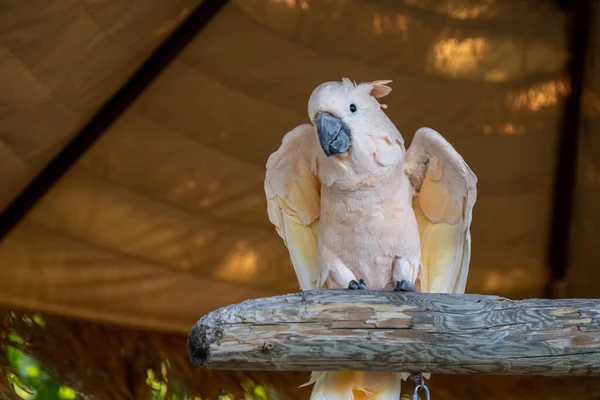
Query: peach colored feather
point(377, 212)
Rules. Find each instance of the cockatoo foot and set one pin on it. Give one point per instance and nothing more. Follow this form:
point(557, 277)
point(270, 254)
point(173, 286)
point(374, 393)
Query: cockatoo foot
point(353, 285)
point(404, 286)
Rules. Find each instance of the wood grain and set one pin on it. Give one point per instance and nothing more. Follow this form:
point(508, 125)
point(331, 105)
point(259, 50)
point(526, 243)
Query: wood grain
point(326, 330)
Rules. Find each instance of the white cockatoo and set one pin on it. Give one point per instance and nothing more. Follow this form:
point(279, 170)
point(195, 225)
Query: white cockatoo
point(356, 210)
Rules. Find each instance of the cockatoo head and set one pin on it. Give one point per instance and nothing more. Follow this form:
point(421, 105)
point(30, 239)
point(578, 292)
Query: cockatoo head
point(356, 137)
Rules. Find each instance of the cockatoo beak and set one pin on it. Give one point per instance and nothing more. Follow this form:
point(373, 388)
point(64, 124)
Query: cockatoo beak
point(334, 134)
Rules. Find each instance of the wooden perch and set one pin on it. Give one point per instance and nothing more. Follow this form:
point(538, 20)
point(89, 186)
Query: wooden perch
point(363, 330)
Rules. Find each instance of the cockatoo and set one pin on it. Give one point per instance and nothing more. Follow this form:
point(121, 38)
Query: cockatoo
point(357, 210)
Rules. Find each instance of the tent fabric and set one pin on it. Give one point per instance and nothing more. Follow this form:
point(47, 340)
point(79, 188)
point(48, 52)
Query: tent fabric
point(585, 225)
point(60, 61)
point(164, 219)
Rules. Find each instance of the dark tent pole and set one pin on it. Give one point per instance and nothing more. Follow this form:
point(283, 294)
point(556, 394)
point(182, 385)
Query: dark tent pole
point(109, 113)
point(562, 208)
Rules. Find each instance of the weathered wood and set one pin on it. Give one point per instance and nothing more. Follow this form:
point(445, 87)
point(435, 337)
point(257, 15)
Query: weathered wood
point(364, 330)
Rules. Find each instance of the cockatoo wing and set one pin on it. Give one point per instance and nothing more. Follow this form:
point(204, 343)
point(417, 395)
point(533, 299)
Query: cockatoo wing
point(293, 200)
point(446, 193)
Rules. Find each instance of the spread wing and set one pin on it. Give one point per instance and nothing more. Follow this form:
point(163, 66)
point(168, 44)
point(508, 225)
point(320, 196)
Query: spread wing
point(293, 200)
point(446, 193)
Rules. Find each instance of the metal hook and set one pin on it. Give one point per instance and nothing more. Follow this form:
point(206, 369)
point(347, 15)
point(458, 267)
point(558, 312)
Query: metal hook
point(419, 382)
point(416, 395)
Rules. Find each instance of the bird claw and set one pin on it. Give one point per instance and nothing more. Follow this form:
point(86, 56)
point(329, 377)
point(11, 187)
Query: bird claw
point(353, 285)
point(404, 286)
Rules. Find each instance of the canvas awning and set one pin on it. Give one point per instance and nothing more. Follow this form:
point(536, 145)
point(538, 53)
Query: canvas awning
point(164, 219)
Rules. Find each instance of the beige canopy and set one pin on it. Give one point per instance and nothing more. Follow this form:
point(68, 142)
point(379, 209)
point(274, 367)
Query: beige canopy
point(164, 218)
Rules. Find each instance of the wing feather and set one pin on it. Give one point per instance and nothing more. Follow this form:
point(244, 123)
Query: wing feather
point(293, 200)
point(446, 193)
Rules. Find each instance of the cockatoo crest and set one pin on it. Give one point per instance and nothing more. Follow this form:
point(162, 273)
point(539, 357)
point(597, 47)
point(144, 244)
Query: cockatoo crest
point(379, 89)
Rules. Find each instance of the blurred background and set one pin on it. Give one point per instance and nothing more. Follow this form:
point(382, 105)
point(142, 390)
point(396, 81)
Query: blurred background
point(131, 173)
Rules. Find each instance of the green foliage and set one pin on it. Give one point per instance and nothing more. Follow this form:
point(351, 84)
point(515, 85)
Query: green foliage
point(31, 382)
point(252, 391)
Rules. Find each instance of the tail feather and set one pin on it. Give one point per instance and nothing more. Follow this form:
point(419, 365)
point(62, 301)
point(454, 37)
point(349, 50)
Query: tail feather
point(350, 385)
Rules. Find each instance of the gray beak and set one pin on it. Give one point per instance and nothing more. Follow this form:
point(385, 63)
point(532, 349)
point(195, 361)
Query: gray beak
point(334, 134)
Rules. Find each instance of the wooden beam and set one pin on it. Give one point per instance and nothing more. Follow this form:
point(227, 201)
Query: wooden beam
point(364, 330)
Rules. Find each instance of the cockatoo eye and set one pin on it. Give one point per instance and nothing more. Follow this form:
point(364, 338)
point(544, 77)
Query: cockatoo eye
point(353, 108)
